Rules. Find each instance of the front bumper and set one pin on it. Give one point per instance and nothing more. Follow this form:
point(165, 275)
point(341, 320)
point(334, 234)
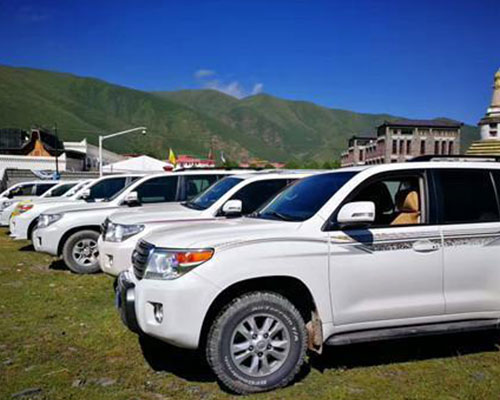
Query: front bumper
point(46, 240)
point(5, 216)
point(115, 257)
point(18, 227)
point(184, 303)
point(125, 301)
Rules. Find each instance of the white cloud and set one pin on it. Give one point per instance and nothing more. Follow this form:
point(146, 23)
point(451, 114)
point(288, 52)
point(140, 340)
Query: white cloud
point(257, 88)
point(204, 73)
point(208, 79)
point(233, 88)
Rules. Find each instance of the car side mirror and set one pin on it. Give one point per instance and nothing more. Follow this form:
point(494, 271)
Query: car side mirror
point(132, 199)
point(232, 208)
point(85, 194)
point(356, 214)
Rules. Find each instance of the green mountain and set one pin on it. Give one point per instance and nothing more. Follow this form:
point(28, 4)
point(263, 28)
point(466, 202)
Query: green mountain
point(188, 121)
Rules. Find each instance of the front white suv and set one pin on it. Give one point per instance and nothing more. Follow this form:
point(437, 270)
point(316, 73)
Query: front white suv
point(341, 257)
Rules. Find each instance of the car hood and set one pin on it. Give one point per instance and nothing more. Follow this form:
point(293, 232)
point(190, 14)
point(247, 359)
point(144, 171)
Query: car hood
point(220, 233)
point(170, 212)
point(65, 207)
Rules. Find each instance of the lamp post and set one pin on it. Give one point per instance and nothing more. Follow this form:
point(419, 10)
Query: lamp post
point(102, 138)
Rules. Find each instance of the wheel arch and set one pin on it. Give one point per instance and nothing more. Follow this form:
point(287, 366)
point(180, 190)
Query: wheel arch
point(71, 231)
point(292, 288)
point(32, 227)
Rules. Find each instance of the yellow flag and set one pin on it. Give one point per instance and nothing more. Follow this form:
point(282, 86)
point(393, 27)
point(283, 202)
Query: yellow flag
point(171, 157)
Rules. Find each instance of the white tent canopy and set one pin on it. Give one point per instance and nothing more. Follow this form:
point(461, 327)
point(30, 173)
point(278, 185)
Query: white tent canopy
point(137, 164)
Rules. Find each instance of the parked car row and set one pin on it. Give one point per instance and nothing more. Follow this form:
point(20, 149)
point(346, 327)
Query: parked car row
point(255, 269)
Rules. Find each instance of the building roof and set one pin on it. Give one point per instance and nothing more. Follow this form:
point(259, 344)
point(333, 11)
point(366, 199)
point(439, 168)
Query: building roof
point(433, 123)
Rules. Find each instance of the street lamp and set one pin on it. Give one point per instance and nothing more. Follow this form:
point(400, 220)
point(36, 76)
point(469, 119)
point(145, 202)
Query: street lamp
point(102, 138)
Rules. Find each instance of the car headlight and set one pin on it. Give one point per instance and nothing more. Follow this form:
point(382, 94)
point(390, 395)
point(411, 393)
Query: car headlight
point(167, 264)
point(119, 233)
point(48, 219)
point(5, 204)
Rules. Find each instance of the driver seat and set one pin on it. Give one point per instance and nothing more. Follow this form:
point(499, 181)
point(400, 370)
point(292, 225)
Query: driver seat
point(407, 204)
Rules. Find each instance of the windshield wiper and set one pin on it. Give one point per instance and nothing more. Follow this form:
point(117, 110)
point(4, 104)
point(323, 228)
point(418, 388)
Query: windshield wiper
point(281, 216)
point(192, 205)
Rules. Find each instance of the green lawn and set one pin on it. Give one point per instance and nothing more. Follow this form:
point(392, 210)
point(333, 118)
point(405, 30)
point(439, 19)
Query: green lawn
point(60, 334)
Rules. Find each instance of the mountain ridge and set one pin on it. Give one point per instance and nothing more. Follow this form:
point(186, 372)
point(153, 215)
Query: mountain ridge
point(189, 121)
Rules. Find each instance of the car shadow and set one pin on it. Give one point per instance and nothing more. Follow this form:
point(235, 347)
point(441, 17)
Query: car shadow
point(58, 265)
point(187, 364)
point(28, 247)
point(405, 350)
point(192, 366)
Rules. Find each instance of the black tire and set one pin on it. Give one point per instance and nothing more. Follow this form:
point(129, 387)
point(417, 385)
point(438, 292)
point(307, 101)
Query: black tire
point(222, 341)
point(72, 244)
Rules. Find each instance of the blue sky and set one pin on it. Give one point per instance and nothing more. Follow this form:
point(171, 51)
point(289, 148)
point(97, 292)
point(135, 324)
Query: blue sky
point(418, 59)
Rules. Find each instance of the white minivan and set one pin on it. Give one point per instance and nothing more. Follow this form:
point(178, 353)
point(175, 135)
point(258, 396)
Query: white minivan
point(355, 255)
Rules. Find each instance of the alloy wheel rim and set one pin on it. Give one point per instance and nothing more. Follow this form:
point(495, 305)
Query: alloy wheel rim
point(260, 345)
point(85, 252)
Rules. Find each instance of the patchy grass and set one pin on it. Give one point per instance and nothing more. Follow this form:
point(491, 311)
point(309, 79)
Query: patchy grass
point(59, 333)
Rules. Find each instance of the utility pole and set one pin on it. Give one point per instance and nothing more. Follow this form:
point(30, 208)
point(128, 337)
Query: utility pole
point(57, 149)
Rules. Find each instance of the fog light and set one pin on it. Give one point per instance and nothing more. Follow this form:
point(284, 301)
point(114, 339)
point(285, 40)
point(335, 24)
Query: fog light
point(110, 260)
point(158, 312)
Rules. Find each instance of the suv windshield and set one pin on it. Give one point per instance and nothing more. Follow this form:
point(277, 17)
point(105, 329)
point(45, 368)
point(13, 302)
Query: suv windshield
point(212, 194)
point(303, 199)
point(60, 190)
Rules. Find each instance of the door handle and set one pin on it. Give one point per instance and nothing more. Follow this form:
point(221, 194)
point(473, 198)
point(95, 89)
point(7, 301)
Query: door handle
point(425, 246)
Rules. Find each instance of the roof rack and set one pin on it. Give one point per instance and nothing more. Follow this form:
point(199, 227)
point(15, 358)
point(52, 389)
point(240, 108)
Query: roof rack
point(459, 157)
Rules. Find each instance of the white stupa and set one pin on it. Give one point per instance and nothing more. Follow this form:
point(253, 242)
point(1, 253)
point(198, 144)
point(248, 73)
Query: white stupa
point(490, 126)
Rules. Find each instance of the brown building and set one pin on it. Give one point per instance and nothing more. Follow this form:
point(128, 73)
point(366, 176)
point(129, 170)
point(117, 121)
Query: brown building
point(399, 141)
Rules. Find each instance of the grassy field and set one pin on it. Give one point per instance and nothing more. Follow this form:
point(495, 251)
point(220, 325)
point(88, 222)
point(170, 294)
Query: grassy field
point(61, 338)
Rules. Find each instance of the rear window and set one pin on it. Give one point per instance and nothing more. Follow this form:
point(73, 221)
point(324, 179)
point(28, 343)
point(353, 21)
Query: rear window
point(465, 196)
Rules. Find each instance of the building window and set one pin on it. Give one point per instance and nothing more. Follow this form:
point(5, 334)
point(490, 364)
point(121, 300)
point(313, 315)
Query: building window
point(450, 148)
point(407, 131)
point(394, 147)
point(422, 147)
point(436, 147)
point(401, 147)
point(361, 155)
point(408, 147)
point(443, 147)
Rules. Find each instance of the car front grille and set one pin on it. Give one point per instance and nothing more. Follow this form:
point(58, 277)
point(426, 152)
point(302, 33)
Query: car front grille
point(140, 258)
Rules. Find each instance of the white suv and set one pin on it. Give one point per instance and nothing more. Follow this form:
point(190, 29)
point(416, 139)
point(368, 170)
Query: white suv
point(20, 192)
point(232, 197)
point(341, 257)
point(71, 231)
point(24, 223)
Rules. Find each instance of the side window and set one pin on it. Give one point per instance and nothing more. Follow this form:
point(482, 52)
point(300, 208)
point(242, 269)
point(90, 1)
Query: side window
point(107, 188)
point(255, 194)
point(158, 190)
point(195, 184)
point(24, 190)
point(41, 188)
point(398, 200)
point(465, 196)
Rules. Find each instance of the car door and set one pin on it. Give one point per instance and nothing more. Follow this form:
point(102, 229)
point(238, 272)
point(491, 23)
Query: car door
point(468, 210)
point(391, 270)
